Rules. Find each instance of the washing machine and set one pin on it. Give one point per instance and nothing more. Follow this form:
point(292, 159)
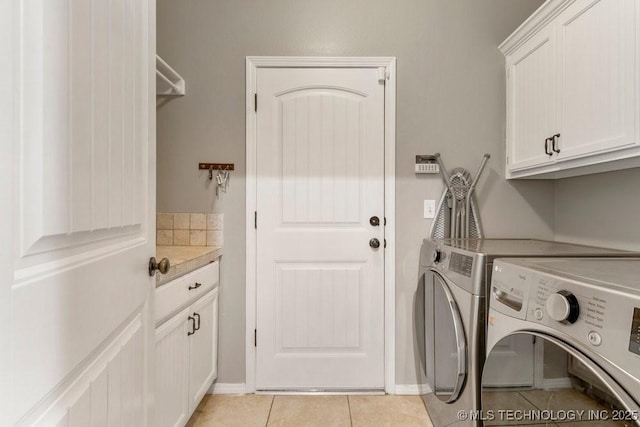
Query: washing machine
point(584, 315)
point(450, 320)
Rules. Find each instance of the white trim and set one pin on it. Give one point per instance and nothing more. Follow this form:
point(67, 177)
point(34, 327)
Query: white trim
point(252, 64)
point(227, 388)
point(534, 23)
point(556, 383)
point(412, 389)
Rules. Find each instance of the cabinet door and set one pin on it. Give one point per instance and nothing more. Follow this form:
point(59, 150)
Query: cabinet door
point(530, 101)
point(597, 42)
point(171, 372)
point(203, 347)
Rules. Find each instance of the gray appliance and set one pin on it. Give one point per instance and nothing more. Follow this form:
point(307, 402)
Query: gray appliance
point(585, 317)
point(450, 308)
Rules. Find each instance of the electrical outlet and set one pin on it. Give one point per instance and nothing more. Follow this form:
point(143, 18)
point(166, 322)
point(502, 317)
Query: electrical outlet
point(429, 209)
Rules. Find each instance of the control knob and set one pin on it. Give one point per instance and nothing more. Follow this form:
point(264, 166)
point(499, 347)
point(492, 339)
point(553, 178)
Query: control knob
point(437, 256)
point(563, 307)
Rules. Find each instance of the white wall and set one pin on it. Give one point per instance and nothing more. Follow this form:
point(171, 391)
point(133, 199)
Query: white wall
point(450, 99)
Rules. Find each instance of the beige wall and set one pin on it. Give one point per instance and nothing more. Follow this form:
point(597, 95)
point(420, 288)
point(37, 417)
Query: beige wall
point(450, 99)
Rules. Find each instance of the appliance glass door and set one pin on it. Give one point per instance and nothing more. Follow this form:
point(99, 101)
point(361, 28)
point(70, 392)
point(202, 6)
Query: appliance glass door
point(446, 352)
point(559, 393)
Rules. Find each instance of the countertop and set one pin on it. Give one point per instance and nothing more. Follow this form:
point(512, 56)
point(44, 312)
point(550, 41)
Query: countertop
point(185, 259)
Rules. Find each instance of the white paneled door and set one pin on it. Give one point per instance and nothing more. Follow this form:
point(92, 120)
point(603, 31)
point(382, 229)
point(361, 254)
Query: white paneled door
point(78, 211)
point(320, 189)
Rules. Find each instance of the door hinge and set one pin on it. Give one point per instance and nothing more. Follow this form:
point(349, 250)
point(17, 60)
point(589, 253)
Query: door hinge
point(255, 219)
point(255, 337)
point(383, 75)
point(255, 102)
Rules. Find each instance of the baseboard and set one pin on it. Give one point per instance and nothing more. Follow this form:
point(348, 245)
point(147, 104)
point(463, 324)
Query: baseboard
point(412, 389)
point(555, 383)
point(227, 388)
point(401, 389)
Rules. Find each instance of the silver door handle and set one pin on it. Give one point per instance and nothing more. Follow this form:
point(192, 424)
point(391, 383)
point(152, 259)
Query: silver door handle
point(163, 266)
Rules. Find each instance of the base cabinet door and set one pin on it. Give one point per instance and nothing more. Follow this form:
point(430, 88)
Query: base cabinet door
point(203, 347)
point(172, 372)
point(185, 361)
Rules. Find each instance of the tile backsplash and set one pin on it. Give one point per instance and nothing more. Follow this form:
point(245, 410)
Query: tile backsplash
point(189, 229)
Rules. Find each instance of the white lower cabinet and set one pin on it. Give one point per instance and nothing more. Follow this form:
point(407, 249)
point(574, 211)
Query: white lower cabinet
point(185, 360)
point(203, 348)
point(172, 372)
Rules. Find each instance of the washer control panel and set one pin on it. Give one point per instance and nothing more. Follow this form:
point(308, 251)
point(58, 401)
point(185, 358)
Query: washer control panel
point(634, 340)
point(602, 319)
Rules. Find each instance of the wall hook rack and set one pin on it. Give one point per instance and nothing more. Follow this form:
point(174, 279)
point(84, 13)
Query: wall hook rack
point(222, 178)
point(217, 166)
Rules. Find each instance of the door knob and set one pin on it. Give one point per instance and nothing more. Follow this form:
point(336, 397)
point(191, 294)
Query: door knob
point(163, 266)
point(374, 243)
point(375, 221)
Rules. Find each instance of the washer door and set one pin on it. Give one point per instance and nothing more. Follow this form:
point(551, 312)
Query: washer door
point(560, 394)
point(446, 345)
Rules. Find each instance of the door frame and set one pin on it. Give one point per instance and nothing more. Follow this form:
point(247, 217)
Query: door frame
point(253, 63)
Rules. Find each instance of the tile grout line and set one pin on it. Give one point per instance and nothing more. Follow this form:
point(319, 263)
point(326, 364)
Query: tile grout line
point(273, 398)
point(349, 406)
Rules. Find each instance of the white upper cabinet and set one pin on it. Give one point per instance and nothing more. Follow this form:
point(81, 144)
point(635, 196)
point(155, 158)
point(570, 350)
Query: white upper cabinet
point(530, 110)
point(572, 89)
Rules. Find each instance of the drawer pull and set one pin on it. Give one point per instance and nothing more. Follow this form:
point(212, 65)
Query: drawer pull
point(196, 286)
point(193, 326)
point(546, 146)
point(198, 319)
point(554, 141)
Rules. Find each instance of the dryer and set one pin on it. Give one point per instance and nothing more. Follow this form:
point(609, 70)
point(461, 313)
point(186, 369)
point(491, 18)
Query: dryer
point(450, 322)
point(584, 315)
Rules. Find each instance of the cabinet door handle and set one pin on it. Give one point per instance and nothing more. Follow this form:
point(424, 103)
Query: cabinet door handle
point(197, 316)
point(546, 147)
point(193, 326)
point(554, 140)
point(196, 286)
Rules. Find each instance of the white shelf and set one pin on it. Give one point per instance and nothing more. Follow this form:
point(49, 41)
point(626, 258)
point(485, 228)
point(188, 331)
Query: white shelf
point(168, 81)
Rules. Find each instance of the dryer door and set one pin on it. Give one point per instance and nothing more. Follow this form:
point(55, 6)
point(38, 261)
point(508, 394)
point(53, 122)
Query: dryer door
point(558, 395)
point(446, 345)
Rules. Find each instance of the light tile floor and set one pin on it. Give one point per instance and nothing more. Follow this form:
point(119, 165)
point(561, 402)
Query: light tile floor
point(308, 411)
point(558, 402)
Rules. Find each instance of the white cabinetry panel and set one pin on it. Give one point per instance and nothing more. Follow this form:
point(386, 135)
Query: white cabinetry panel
point(186, 347)
point(172, 372)
point(531, 111)
point(585, 96)
point(203, 346)
point(596, 80)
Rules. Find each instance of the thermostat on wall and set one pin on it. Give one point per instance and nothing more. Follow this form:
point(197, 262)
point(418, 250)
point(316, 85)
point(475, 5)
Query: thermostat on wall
point(426, 164)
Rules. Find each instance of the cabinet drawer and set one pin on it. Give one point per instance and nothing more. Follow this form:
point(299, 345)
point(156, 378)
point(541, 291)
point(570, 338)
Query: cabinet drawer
point(175, 295)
